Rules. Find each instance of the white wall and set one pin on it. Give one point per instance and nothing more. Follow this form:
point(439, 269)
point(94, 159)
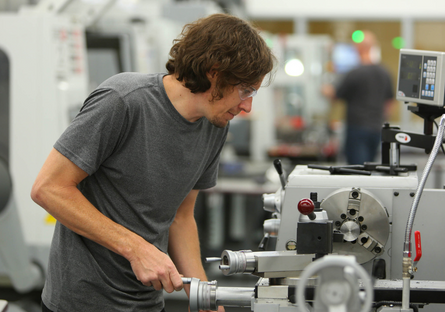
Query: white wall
point(338, 9)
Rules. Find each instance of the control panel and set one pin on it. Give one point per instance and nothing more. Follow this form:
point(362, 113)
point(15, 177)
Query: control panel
point(421, 77)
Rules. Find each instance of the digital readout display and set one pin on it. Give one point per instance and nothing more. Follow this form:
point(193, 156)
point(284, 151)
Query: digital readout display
point(410, 75)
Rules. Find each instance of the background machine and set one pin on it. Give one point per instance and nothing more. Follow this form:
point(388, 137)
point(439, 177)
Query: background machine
point(340, 239)
point(42, 81)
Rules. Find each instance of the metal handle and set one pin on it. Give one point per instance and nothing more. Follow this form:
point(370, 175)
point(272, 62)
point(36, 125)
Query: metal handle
point(418, 246)
point(186, 280)
point(280, 171)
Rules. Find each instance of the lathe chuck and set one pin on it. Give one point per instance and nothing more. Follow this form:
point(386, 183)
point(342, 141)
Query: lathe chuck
point(363, 221)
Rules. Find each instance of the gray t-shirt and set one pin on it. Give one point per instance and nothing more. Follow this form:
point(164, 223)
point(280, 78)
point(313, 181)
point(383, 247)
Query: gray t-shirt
point(142, 158)
point(366, 89)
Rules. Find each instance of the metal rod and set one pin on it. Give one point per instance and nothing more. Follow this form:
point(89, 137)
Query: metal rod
point(234, 296)
point(186, 280)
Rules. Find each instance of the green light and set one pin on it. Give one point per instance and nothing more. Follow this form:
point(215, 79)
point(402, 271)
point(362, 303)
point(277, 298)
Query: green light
point(358, 36)
point(398, 43)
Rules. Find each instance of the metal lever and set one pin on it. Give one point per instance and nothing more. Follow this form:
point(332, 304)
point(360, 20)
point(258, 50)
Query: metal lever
point(306, 207)
point(262, 245)
point(186, 280)
point(418, 247)
point(279, 169)
point(351, 169)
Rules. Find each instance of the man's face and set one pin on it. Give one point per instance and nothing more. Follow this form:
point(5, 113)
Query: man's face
point(221, 111)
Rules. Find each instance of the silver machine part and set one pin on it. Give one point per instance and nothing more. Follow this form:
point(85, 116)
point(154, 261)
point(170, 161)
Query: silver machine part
point(363, 221)
point(394, 155)
point(320, 216)
point(272, 202)
point(271, 226)
point(350, 230)
point(269, 202)
point(207, 296)
point(237, 262)
point(269, 264)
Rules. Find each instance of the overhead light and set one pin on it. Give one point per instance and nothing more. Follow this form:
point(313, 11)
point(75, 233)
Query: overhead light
point(63, 85)
point(358, 36)
point(294, 68)
point(398, 43)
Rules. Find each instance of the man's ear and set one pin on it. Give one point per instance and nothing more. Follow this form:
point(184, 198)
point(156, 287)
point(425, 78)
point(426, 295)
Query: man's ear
point(213, 73)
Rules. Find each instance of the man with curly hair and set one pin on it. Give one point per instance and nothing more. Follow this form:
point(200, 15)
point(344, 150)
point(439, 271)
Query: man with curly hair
point(122, 180)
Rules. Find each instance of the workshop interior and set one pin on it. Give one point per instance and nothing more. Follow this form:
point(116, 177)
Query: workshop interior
point(290, 226)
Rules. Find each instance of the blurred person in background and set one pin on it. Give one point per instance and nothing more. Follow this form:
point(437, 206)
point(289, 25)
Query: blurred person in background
point(368, 92)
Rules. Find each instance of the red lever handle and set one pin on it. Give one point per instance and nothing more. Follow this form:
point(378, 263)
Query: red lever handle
point(418, 246)
point(306, 206)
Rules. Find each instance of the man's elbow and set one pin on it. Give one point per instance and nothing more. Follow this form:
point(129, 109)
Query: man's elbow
point(38, 194)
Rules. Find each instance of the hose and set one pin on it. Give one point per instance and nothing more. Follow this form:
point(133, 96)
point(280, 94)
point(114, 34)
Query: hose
point(406, 265)
point(426, 171)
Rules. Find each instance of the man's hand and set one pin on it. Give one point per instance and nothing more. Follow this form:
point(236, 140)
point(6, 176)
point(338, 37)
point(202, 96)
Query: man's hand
point(154, 268)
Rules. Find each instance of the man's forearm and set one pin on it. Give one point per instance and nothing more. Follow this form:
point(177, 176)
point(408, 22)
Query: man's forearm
point(184, 249)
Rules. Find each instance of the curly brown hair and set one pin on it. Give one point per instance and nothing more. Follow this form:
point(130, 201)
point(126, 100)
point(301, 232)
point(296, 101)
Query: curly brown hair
point(227, 43)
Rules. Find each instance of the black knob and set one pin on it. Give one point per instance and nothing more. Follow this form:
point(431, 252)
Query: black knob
point(278, 166)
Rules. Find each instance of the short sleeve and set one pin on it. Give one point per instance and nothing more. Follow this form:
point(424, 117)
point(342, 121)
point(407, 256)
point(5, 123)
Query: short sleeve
point(95, 131)
point(209, 178)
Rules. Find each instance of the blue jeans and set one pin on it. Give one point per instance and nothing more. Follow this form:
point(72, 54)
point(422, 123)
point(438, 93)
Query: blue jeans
point(361, 144)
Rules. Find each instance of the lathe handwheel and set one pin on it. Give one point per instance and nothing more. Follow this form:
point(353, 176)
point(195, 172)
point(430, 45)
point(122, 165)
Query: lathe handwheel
point(334, 261)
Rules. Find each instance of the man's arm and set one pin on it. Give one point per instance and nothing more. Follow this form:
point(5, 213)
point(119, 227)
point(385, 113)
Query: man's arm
point(55, 189)
point(183, 242)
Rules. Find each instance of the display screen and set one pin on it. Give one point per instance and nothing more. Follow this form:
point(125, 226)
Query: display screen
point(406, 75)
point(410, 75)
point(420, 79)
point(345, 57)
point(410, 62)
point(106, 55)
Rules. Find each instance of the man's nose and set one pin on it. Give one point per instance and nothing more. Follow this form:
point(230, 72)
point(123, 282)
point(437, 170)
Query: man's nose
point(246, 105)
